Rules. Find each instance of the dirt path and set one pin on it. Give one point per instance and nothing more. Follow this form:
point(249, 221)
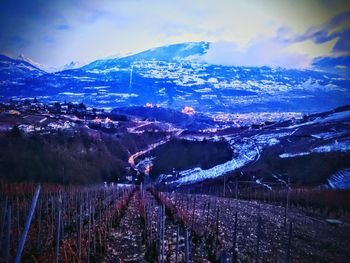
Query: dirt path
point(169, 231)
point(126, 242)
point(197, 251)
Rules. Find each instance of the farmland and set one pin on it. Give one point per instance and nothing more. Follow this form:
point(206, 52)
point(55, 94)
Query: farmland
point(124, 223)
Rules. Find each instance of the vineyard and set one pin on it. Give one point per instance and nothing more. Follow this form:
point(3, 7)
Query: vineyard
point(125, 223)
point(66, 224)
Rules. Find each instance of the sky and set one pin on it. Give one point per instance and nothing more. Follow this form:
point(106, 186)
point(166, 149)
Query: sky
point(282, 33)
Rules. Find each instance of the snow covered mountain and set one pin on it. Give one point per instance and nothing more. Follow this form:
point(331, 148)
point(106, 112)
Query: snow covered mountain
point(177, 53)
point(38, 65)
point(177, 76)
point(72, 65)
point(17, 69)
point(50, 69)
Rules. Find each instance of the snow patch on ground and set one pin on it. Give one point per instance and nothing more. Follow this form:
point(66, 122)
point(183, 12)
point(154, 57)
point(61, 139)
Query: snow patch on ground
point(340, 179)
point(343, 146)
point(67, 93)
point(290, 155)
point(246, 150)
point(198, 174)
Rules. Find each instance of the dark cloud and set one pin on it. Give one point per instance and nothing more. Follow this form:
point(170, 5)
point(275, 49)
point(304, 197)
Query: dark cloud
point(337, 65)
point(338, 19)
point(323, 33)
point(343, 61)
point(343, 44)
point(21, 21)
point(118, 26)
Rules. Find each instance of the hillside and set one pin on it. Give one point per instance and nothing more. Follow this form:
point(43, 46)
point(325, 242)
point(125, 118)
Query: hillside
point(177, 76)
point(84, 145)
point(17, 69)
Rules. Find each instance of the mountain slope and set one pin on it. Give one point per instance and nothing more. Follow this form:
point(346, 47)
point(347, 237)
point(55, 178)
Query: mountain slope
point(171, 53)
point(177, 76)
point(38, 65)
point(179, 119)
point(50, 69)
point(310, 150)
point(16, 68)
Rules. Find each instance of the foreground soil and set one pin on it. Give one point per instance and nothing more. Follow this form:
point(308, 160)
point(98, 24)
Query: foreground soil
point(126, 241)
point(312, 239)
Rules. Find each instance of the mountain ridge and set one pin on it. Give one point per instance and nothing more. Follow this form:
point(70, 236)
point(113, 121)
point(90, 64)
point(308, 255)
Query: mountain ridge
point(14, 68)
point(176, 76)
point(161, 53)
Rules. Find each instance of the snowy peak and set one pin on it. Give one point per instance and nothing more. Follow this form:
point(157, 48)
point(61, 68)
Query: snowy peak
point(17, 68)
point(38, 65)
point(72, 65)
point(183, 52)
point(50, 69)
point(24, 58)
point(175, 52)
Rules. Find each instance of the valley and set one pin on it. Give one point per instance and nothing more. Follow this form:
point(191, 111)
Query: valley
point(138, 145)
point(160, 156)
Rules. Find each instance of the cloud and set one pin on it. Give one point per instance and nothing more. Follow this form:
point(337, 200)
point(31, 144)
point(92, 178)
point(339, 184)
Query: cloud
point(262, 52)
point(343, 43)
point(60, 31)
point(338, 65)
point(63, 27)
point(336, 30)
point(329, 62)
point(332, 29)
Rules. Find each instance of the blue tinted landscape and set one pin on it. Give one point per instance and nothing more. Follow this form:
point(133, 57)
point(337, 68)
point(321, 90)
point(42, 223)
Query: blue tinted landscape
point(176, 76)
point(160, 131)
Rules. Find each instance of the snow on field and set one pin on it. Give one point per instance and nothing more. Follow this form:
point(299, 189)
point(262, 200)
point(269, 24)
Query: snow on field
point(290, 155)
point(67, 93)
point(246, 150)
point(30, 68)
point(203, 90)
point(328, 135)
point(343, 146)
point(96, 87)
point(340, 179)
point(121, 95)
point(258, 181)
point(198, 174)
point(338, 116)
